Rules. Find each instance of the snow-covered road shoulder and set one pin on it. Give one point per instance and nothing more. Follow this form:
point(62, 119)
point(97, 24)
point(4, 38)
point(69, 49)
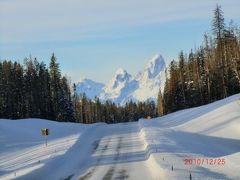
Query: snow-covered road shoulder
point(23, 148)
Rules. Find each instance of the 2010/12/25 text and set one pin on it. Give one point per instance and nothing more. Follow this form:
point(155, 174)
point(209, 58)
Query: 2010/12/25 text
point(204, 161)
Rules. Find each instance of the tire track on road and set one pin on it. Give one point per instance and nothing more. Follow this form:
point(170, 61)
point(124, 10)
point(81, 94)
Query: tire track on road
point(121, 174)
point(96, 146)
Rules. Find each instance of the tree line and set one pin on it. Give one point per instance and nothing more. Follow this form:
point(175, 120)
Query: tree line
point(33, 90)
point(206, 74)
point(91, 111)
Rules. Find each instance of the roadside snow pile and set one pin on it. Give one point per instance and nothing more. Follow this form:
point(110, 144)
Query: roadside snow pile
point(23, 147)
point(208, 135)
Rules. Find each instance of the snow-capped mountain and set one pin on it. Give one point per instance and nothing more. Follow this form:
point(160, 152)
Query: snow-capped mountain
point(114, 88)
point(150, 80)
point(123, 87)
point(89, 87)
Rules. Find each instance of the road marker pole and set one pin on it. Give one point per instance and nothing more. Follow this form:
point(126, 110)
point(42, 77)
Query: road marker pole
point(46, 140)
point(45, 132)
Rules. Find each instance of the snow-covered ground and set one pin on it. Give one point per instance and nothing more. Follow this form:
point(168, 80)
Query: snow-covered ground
point(148, 149)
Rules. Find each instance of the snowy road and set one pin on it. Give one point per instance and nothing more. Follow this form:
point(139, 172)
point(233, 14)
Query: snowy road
point(108, 152)
point(119, 154)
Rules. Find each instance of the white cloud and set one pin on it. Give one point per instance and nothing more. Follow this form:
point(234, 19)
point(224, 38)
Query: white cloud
point(34, 20)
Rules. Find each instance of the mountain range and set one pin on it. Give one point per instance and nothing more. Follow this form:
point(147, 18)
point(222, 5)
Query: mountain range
point(124, 87)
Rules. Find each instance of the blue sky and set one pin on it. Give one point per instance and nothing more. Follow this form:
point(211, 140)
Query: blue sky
point(93, 38)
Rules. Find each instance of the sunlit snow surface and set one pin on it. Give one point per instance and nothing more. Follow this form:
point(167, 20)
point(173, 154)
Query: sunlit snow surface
point(147, 149)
